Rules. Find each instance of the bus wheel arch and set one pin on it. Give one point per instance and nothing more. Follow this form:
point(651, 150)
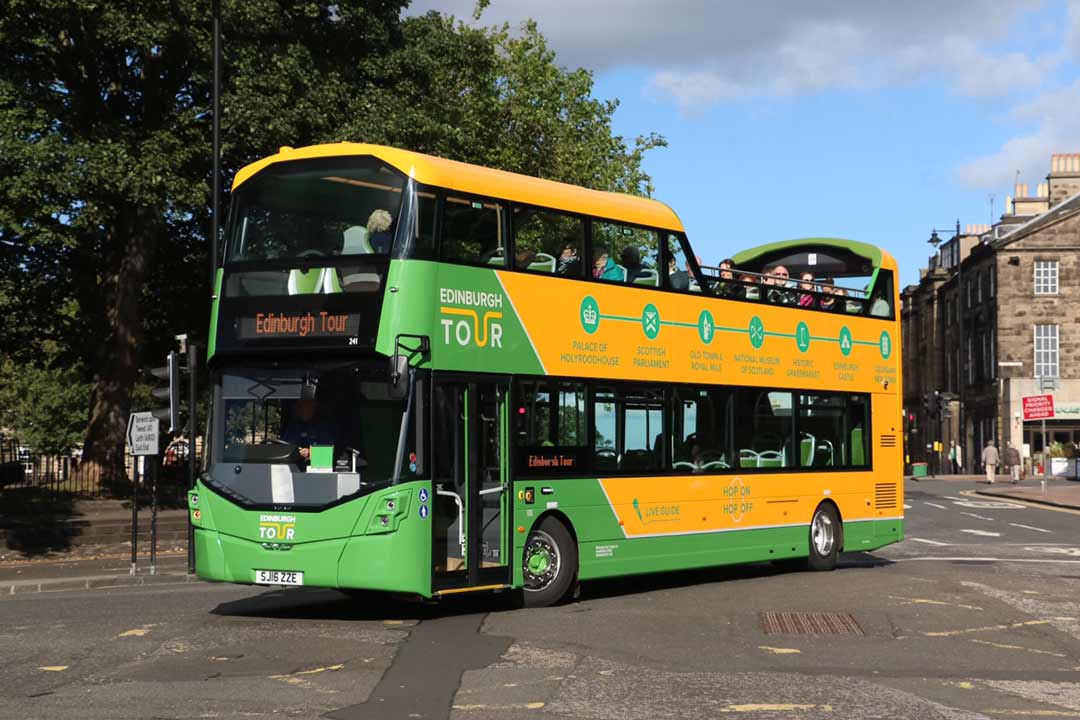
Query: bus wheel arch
point(549, 561)
point(826, 536)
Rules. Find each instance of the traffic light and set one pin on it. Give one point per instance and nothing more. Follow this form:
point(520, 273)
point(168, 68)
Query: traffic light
point(170, 393)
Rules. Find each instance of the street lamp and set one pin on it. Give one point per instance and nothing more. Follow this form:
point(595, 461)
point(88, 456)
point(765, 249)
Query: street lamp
point(935, 241)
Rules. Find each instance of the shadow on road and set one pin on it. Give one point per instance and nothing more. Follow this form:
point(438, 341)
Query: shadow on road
point(37, 521)
point(325, 604)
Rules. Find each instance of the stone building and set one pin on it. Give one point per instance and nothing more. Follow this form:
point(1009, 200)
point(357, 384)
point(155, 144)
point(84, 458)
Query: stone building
point(995, 317)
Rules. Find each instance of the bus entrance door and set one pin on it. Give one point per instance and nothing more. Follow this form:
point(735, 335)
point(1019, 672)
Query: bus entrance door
point(471, 541)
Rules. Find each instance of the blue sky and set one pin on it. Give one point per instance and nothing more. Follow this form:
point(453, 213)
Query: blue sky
point(874, 121)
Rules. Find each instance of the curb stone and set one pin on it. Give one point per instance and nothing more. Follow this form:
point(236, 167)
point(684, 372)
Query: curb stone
point(93, 582)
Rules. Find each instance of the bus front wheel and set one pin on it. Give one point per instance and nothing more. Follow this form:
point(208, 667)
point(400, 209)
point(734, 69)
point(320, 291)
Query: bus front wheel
point(824, 538)
point(549, 563)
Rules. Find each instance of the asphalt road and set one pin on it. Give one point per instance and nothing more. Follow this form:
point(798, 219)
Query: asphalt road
point(975, 615)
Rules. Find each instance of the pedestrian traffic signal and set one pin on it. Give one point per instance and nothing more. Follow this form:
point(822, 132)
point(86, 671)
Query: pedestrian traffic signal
point(169, 393)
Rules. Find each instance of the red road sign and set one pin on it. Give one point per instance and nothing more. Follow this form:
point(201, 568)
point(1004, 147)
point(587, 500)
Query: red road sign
point(1038, 407)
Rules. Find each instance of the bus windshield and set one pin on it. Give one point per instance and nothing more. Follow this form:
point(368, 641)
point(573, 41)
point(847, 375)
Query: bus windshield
point(316, 208)
point(305, 437)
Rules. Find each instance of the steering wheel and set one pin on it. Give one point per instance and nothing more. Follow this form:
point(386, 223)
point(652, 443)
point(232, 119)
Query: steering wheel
point(274, 441)
point(311, 252)
point(605, 453)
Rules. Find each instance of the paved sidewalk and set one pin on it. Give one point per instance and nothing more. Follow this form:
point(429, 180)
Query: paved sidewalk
point(1055, 492)
point(98, 573)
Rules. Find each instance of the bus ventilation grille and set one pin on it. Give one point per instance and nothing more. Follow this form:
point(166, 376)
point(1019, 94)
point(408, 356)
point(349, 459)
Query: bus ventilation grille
point(808, 623)
point(888, 441)
point(885, 495)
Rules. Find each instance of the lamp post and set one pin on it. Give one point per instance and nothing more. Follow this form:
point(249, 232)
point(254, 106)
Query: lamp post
point(934, 242)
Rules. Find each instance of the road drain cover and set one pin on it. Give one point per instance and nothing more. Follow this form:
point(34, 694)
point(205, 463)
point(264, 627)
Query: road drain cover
point(800, 623)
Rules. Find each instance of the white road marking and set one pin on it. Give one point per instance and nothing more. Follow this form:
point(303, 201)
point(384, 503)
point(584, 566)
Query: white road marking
point(1073, 551)
point(988, 504)
point(983, 533)
point(906, 506)
point(1028, 527)
point(977, 517)
point(940, 507)
point(928, 542)
point(989, 559)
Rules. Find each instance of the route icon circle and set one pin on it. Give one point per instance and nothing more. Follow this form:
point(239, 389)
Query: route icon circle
point(590, 314)
point(885, 345)
point(802, 336)
point(846, 342)
point(650, 321)
point(706, 328)
point(757, 332)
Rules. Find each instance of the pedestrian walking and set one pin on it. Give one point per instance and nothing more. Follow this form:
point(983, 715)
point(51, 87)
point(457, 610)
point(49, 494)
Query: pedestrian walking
point(1012, 461)
point(990, 460)
point(955, 458)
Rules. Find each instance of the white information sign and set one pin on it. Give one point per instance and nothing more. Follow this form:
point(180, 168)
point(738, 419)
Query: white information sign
point(142, 434)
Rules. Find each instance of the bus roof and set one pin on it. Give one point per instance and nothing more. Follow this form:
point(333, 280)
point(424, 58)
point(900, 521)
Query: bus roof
point(478, 180)
point(877, 257)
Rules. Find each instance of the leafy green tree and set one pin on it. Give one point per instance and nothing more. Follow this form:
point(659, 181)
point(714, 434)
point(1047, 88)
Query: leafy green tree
point(105, 150)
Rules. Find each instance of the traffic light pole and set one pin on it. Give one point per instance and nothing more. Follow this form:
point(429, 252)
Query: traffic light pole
point(193, 366)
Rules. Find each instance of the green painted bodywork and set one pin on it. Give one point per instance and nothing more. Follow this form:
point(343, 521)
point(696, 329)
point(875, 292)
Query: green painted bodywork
point(364, 543)
point(345, 546)
point(871, 253)
point(413, 306)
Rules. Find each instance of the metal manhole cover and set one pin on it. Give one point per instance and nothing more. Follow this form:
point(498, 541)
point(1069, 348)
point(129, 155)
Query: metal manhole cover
point(802, 623)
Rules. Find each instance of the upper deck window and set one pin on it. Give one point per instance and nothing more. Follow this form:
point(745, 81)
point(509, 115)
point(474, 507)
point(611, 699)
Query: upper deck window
point(316, 208)
point(473, 231)
point(626, 254)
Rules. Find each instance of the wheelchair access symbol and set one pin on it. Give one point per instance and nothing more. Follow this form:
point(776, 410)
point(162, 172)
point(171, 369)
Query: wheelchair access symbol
point(650, 321)
point(423, 495)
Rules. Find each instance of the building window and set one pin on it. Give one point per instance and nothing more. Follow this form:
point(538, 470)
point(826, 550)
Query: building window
point(993, 352)
point(993, 282)
point(1046, 277)
point(1046, 351)
point(969, 284)
point(971, 360)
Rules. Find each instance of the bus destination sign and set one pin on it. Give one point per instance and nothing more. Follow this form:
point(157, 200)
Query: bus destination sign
point(278, 325)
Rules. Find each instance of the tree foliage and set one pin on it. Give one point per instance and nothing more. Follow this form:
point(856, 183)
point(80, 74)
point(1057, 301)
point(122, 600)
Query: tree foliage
point(105, 150)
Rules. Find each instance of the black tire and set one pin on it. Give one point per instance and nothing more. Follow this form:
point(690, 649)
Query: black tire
point(825, 534)
point(549, 564)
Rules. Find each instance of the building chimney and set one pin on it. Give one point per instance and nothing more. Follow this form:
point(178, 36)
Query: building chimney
point(1064, 179)
point(1027, 205)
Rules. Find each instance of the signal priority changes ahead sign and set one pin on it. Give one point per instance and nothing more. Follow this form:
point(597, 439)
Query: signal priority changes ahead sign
point(142, 434)
point(1038, 407)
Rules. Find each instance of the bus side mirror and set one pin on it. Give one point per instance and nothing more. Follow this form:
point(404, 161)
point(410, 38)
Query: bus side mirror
point(399, 367)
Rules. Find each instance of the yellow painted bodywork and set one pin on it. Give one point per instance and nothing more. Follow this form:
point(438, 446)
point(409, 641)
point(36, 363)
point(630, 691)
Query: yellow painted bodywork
point(477, 180)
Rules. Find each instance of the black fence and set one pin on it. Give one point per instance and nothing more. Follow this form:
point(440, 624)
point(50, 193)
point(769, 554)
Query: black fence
point(23, 469)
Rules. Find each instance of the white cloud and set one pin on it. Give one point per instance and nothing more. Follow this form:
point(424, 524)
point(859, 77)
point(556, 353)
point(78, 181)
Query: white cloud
point(1055, 126)
point(698, 53)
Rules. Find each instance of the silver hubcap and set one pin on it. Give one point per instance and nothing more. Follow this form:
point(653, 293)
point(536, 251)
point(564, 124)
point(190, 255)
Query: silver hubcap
point(539, 575)
point(823, 534)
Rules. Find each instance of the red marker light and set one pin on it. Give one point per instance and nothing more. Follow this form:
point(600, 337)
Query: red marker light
point(521, 410)
point(412, 457)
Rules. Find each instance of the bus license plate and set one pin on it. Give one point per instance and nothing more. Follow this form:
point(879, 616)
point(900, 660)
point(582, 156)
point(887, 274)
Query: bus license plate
point(278, 577)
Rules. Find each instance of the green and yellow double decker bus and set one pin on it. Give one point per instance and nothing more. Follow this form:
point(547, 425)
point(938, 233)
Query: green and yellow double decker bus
point(433, 378)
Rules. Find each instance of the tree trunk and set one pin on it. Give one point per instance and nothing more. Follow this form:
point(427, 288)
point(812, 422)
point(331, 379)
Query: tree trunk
point(118, 361)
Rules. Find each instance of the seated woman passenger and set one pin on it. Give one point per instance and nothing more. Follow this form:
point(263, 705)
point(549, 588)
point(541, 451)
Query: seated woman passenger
point(827, 302)
point(604, 268)
point(806, 284)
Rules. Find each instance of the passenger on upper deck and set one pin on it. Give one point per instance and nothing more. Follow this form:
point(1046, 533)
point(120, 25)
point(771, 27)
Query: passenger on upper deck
point(604, 268)
point(379, 235)
point(827, 302)
point(806, 300)
point(680, 279)
point(778, 278)
point(569, 262)
point(748, 289)
point(726, 287)
point(631, 260)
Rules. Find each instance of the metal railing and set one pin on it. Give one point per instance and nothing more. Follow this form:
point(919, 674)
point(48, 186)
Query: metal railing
point(23, 469)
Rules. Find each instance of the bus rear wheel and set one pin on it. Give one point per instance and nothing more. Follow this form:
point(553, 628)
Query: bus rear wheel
point(824, 538)
point(549, 564)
